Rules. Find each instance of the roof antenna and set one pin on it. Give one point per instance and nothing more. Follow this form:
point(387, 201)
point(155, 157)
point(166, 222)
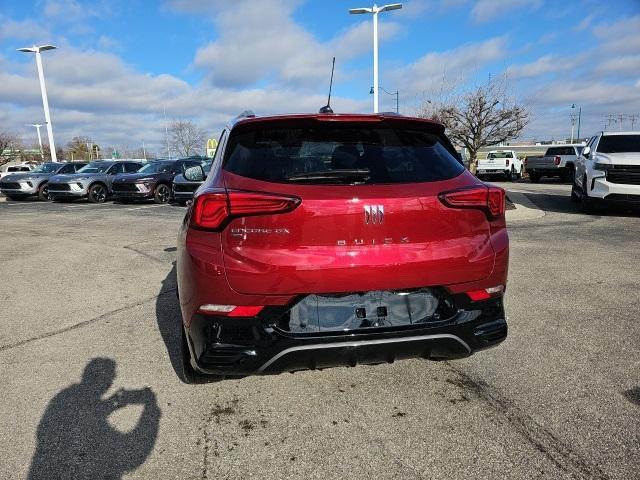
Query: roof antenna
point(327, 107)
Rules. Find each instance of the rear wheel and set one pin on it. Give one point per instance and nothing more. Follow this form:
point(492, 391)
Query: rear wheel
point(567, 174)
point(189, 374)
point(512, 176)
point(97, 193)
point(534, 177)
point(162, 194)
point(43, 193)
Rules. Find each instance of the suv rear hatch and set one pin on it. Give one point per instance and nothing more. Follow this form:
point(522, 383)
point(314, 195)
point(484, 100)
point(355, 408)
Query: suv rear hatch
point(363, 209)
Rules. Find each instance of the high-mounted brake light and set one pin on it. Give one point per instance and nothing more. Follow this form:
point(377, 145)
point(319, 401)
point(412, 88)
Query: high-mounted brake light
point(490, 199)
point(230, 310)
point(213, 209)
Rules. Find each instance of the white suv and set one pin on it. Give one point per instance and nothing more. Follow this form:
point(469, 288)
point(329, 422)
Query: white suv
point(608, 169)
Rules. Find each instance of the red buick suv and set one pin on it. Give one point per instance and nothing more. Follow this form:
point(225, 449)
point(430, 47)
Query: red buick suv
point(321, 240)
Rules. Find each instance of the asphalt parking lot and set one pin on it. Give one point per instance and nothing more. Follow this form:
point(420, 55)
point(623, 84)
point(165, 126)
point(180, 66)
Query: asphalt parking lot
point(89, 345)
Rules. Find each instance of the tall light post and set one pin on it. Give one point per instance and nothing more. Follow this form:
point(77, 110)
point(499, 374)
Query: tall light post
point(396, 93)
point(375, 10)
point(37, 49)
point(38, 125)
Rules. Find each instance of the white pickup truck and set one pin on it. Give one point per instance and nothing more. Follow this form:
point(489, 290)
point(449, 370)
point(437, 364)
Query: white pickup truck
point(556, 162)
point(500, 162)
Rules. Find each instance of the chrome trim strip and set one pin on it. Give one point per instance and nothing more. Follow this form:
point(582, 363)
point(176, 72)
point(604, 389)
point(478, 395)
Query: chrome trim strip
point(360, 343)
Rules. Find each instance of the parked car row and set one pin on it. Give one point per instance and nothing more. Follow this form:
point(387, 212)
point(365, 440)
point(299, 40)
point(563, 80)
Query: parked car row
point(120, 180)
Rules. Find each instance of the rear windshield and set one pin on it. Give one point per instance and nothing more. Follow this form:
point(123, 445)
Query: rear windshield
point(340, 154)
point(500, 155)
point(157, 167)
point(95, 167)
point(619, 143)
point(561, 151)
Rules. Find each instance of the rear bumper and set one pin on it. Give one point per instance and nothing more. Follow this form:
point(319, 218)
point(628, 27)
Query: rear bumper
point(546, 170)
point(240, 346)
point(182, 196)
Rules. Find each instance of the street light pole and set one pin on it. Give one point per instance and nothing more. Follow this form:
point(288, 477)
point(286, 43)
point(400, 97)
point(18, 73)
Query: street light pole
point(45, 103)
point(38, 125)
point(375, 10)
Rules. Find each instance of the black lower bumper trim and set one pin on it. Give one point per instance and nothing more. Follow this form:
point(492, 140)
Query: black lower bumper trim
point(239, 346)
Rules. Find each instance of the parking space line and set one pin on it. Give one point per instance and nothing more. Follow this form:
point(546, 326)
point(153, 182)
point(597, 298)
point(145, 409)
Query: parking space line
point(148, 206)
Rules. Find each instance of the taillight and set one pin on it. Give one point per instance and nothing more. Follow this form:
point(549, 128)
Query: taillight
point(507, 162)
point(524, 162)
point(212, 210)
point(230, 310)
point(485, 293)
point(489, 199)
point(556, 160)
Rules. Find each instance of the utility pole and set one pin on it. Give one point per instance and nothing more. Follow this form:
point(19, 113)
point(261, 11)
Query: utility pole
point(621, 117)
point(632, 118)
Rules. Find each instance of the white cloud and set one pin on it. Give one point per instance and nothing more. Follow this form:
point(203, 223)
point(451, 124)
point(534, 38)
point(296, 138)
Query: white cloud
point(485, 10)
point(621, 36)
point(258, 44)
point(544, 65)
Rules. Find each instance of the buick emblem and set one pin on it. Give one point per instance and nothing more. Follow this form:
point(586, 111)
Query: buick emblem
point(373, 214)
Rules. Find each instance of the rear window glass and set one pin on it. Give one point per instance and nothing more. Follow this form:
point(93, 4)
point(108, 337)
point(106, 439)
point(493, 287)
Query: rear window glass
point(500, 155)
point(619, 143)
point(340, 154)
point(561, 151)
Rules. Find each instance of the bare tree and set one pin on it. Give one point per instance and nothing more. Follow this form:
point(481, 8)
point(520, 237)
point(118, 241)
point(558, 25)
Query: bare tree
point(482, 116)
point(9, 144)
point(186, 138)
point(82, 148)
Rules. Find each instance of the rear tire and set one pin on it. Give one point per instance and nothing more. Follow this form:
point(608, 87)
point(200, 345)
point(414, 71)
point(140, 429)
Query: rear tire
point(189, 374)
point(512, 176)
point(43, 193)
point(534, 177)
point(162, 194)
point(97, 193)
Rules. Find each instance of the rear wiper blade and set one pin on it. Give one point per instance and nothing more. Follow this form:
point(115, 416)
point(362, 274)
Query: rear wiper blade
point(345, 175)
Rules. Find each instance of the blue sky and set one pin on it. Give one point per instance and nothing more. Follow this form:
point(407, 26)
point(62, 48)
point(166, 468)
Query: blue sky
point(120, 65)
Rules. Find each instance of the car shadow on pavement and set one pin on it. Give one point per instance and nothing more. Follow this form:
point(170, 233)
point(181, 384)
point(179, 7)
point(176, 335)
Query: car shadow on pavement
point(563, 204)
point(75, 439)
point(633, 395)
point(169, 319)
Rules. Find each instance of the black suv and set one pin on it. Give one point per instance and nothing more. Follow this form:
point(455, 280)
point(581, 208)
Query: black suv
point(153, 181)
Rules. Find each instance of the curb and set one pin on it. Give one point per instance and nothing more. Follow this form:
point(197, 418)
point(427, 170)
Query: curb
point(525, 208)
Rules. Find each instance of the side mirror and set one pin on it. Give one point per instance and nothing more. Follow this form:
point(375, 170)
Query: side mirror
point(586, 152)
point(194, 174)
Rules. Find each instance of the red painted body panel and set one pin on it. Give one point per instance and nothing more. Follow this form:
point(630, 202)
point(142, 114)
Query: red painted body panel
point(268, 260)
point(420, 242)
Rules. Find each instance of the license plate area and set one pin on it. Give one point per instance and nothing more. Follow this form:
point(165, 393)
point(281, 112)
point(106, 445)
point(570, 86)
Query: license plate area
point(365, 311)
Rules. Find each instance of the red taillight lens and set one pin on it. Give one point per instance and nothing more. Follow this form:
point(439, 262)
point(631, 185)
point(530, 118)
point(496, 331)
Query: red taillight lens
point(211, 210)
point(488, 199)
point(230, 310)
point(507, 162)
point(556, 160)
point(486, 293)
